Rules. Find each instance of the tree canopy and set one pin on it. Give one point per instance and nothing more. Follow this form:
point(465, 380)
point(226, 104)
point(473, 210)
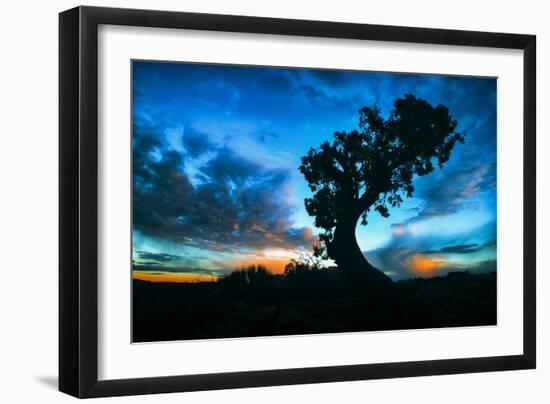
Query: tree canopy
point(373, 167)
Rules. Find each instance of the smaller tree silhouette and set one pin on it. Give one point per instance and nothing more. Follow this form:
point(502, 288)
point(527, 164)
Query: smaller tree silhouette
point(307, 262)
point(372, 168)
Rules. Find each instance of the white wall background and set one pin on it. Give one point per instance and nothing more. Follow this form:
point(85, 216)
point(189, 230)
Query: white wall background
point(28, 202)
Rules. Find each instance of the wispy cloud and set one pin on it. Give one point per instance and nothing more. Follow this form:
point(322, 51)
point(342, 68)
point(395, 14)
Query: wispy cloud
point(238, 203)
point(413, 252)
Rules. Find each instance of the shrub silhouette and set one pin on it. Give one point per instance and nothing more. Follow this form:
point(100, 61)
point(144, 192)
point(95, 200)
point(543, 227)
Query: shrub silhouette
point(295, 267)
point(372, 168)
point(246, 282)
point(305, 262)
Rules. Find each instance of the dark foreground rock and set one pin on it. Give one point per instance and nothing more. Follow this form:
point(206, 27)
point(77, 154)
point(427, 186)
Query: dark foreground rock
point(310, 303)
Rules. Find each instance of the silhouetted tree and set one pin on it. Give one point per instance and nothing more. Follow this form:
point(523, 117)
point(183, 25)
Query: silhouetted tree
point(307, 262)
point(372, 168)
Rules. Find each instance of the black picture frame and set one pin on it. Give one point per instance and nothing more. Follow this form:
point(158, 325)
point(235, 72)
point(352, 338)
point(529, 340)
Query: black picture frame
point(78, 205)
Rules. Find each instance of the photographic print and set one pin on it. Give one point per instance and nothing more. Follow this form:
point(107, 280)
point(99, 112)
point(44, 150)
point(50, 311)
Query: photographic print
point(287, 201)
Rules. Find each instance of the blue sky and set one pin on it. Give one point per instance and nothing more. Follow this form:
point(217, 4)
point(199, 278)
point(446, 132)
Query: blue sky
point(216, 151)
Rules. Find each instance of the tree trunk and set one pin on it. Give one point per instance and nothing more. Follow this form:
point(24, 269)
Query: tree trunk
point(358, 273)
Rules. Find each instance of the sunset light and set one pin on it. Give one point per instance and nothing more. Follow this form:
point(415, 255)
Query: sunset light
point(425, 265)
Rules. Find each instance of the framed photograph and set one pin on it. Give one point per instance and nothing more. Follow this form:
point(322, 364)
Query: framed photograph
point(251, 201)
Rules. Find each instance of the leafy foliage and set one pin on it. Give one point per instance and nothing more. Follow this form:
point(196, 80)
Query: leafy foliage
point(373, 166)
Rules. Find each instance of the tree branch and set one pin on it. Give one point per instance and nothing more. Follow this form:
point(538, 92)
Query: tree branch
point(367, 200)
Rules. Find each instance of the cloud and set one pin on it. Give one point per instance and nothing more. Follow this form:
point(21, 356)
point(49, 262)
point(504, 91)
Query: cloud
point(156, 257)
point(452, 189)
point(218, 92)
point(264, 134)
point(456, 249)
point(484, 266)
point(274, 79)
point(195, 143)
point(409, 253)
point(334, 78)
point(237, 204)
point(160, 269)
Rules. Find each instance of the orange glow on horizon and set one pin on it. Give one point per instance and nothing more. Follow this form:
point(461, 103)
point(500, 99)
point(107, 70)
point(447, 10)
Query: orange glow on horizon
point(425, 265)
point(173, 277)
point(275, 265)
point(273, 259)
